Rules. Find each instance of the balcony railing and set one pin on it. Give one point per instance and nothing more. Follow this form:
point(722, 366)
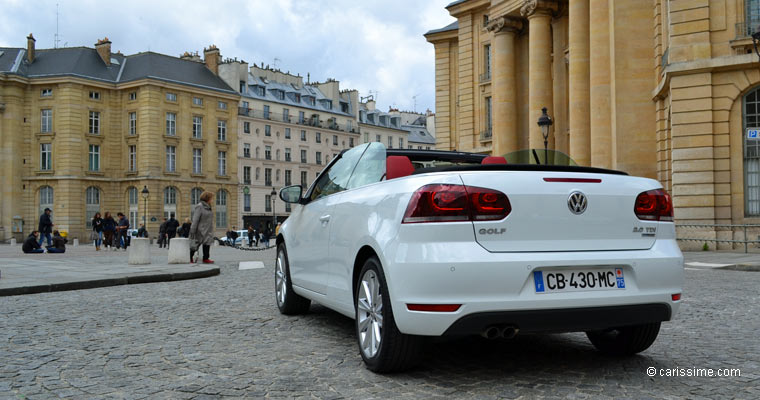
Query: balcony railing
point(486, 135)
point(745, 29)
point(486, 77)
point(307, 121)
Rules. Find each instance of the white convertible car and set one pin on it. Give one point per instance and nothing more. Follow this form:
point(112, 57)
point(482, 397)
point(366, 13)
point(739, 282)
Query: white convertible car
point(428, 243)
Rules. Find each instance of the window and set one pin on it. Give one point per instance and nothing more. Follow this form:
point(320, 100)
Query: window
point(170, 198)
point(751, 16)
point(489, 122)
point(298, 97)
point(197, 127)
point(46, 121)
point(132, 196)
point(171, 158)
point(132, 158)
point(319, 158)
point(350, 142)
point(92, 204)
point(288, 180)
point(268, 152)
point(198, 161)
point(303, 179)
point(268, 203)
point(247, 150)
point(366, 137)
point(300, 117)
point(335, 140)
point(242, 87)
point(46, 199)
point(279, 94)
point(303, 136)
point(259, 90)
point(390, 142)
point(222, 170)
point(133, 123)
point(197, 101)
point(132, 96)
point(246, 202)
point(171, 124)
point(46, 93)
point(287, 207)
point(287, 133)
point(268, 176)
point(752, 150)
point(349, 126)
point(400, 143)
point(94, 95)
point(222, 105)
point(171, 96)
point(335, 179)
point(287, 154)
point(285, 115)
point(267, 130)
point(195, 196)
point(303, 156)
point(46, 159)
point(94, 158)
point(318, 137)
point(266, 111)
point(370, 168)
point(221, 130)
point(247, 175)
point(94, 123)
point(377, 138)
point(246, 127)
point(487, 62)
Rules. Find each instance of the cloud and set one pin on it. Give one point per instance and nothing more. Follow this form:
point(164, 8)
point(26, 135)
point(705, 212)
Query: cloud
point(368, 45)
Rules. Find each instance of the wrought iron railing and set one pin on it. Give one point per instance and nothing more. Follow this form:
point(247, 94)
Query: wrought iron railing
point(733, 228)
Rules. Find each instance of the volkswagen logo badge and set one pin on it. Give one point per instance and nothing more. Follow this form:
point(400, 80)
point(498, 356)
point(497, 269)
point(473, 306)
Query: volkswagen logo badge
point(577, 203)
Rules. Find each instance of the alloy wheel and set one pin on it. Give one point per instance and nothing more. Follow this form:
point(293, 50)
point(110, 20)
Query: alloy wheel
point(281, 279)
point(370, 314)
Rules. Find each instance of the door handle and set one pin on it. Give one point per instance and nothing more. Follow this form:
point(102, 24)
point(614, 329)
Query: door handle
point(324, 218)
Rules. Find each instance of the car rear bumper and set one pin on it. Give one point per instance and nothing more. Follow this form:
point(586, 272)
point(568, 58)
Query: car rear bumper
point(498, 288)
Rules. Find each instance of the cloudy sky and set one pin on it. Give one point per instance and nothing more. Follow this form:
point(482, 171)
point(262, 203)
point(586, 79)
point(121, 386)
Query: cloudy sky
point(369, 45)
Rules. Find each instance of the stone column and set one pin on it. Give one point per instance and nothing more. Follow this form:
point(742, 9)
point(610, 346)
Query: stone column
point(599, 71)
point(580, 130)
point(539, 14)
point(504, 85)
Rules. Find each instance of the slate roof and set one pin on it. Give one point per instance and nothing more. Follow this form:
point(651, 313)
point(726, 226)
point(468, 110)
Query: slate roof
point(418, 134)
point(290, 91)
point(86, 63)
point(450, 27)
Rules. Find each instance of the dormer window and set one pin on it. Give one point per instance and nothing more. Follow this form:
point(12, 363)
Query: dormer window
point(298, 97)
point(259, 90)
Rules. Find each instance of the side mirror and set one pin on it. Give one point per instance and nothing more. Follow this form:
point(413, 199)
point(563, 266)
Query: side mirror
point(291, 194)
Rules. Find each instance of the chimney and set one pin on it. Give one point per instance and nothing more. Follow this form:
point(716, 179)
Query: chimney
point(30, 48)
point(211, 57)
point(104, 50)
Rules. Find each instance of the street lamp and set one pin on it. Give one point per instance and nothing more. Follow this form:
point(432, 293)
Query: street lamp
point(274, 216)
point(755, 40)
point(545, 121)
point(145, 194)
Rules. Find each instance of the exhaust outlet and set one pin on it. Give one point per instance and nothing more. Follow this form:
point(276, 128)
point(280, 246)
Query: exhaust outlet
point(491, 332)
point(509, 332)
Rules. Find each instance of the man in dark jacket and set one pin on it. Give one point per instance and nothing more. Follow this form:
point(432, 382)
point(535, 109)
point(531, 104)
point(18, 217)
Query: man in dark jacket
point(142, 232)
point(162, 234)
point(171, 229)
point(31, 245)
point(45, 227)
point(59, 244)
point(123, 231)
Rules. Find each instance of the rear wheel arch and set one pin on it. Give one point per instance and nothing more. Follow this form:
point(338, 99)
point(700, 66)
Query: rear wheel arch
point(361, 257)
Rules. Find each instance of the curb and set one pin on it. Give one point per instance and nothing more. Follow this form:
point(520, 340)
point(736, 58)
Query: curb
point(742, 267)
point(98, 283)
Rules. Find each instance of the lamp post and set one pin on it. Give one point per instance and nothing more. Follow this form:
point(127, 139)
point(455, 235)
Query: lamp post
point(145, 194)
point(545, 121)
point(274, 215)
point(755, 40)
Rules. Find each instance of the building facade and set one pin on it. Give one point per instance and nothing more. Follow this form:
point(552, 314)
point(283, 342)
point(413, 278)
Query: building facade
point(86, 130)
point(662, 89)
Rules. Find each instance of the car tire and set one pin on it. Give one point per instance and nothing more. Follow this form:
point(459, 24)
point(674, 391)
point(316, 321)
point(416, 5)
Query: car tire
point(288, 301)
point(390, 350)
point(625, 341)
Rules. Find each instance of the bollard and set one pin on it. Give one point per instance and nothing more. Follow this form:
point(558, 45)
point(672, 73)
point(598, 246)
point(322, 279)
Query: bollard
point(179, 251)
point(13, 242)
point(76, 242)
point(139, 251)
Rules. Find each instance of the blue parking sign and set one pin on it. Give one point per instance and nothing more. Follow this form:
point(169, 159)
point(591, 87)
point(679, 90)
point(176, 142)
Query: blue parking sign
point(753, 133)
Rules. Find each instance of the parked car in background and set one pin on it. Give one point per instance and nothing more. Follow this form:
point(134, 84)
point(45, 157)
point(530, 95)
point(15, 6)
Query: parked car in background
point(241, 239)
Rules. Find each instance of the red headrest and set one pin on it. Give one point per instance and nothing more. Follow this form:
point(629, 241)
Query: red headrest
point(398, 166)
point(494, 160)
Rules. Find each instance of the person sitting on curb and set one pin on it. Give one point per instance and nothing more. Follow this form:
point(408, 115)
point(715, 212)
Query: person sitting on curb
point(31, 245)
point(59, 243)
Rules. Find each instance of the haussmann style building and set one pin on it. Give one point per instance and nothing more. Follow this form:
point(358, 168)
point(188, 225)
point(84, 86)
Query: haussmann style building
point(663, 89)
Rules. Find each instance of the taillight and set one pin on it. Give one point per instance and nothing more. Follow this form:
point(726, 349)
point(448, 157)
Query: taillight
point(454, 203)
point(654, 205)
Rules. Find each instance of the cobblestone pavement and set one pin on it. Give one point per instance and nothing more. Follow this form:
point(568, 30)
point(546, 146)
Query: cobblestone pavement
point(223, 337)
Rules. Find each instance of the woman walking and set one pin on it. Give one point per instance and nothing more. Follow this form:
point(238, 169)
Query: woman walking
point(97, 229)
point(109, 226)
point(202, 228)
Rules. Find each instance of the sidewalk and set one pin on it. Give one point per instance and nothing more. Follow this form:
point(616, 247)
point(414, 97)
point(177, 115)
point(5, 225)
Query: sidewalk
point(733, 260)
point(82, 267)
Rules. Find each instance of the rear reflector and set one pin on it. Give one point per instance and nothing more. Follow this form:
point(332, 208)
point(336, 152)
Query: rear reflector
point(433, 307)
point(456, 203)
point(676, 297)
point(573, 180)
point(654, 205)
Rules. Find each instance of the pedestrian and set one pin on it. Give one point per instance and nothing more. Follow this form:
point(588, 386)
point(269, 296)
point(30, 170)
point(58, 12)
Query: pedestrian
point(185, 228)
point(109, 230)
point(232, 237)
point(142, 232)
point(202, 228)
point(250, 236)
point(59, 243)
point(45, 227)
point(31, 246)
point(171, 229)
point(162, 234)
point(265, 238)
point(277, 229)
point(97, 230)
point(123, 231)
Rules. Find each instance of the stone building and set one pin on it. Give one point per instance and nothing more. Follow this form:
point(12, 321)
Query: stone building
point(378, 126)
point(663, 89)
point(288, 131)
point(84, 130)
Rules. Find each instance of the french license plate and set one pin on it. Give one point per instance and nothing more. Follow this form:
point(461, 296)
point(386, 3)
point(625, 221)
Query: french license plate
point(579, 280)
